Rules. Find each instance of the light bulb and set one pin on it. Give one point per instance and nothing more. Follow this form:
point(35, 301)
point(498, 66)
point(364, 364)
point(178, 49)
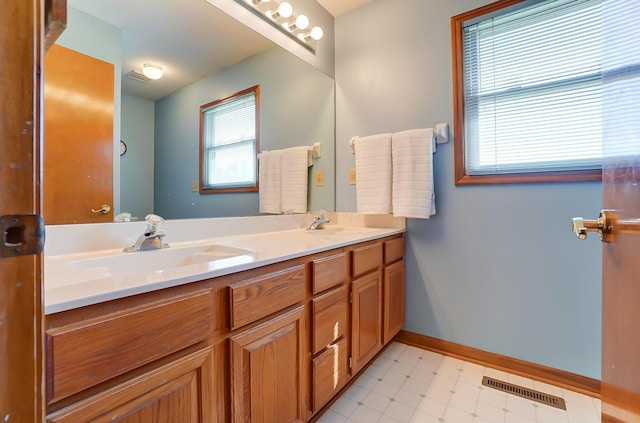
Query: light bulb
point(152, 71)
point(285, 9)
point(316, 33)
point(302, 22)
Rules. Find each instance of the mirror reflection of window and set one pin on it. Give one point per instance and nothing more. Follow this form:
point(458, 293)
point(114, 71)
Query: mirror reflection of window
point(229, 143)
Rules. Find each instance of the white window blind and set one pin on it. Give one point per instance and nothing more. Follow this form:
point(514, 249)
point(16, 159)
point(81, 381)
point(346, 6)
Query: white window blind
point(230, 143)
point(533, 91)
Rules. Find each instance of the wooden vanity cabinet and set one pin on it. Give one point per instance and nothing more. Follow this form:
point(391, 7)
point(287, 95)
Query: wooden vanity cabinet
point(267, 371)
point(179, 391)
point(271, 344)
point(152, 360)
point(393, 288)
point(267, 360)
point(330, 328)
point(377, 298)
point(366, 304)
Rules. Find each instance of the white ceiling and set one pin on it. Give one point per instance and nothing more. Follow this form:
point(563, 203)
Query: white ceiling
point(339, 7)
point(188, 38)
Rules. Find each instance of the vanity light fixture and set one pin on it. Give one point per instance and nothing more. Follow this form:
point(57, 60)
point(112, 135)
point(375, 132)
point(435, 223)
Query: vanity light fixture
point(280, 15)
point(152, 71)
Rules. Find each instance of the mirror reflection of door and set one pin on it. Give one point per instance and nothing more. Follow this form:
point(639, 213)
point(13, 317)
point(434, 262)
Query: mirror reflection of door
point(78, 137)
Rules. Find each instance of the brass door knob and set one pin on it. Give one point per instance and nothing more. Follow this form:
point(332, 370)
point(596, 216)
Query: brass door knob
point(607, 226)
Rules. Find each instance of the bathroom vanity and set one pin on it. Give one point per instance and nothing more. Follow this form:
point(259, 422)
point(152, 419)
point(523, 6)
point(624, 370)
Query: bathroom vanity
point(269, 340)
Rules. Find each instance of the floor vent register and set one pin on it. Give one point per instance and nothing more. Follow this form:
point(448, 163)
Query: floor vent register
point(523, 392)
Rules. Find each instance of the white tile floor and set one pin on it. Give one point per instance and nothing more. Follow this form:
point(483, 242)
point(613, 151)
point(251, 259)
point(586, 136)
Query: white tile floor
point(408, 384)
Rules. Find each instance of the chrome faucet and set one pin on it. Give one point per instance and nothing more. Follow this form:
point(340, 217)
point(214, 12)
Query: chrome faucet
point(319, 221)
point(152, 237)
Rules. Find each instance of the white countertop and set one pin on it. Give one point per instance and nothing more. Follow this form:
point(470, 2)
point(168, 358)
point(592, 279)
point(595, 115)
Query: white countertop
point(76, 277)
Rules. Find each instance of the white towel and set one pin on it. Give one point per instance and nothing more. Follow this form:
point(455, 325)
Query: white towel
point(294, 179)
point(373, 173)
point(269, 175)
point(412, 153)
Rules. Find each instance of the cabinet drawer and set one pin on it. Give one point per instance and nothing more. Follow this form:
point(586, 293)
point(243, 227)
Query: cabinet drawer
point(366, 259)
point(329, 272)
point(259, 297)
point(393, 250)
point(330, 313)
point(330, 373)
point(90, 352)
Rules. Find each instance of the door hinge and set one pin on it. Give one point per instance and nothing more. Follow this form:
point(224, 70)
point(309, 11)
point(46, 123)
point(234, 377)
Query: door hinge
point(22, 235)
point(306, 401)
point(351, 297)
point(350, 362)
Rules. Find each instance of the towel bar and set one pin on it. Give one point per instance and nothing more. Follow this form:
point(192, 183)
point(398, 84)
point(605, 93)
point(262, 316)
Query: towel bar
point(314, 151)
point(441, 133)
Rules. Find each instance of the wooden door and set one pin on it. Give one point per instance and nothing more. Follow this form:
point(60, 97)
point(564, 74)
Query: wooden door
point(621, 187)
point(366, 319)
point(393, 291)
point(179, 391)
point(267, 371)
point(78, 133)
point(21, 337)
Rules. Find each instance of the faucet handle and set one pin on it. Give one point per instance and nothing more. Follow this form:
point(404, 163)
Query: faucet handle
point(153, 222)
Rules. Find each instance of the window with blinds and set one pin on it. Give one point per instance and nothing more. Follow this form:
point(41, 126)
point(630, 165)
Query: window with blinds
point(529, 95)
point(229, 143)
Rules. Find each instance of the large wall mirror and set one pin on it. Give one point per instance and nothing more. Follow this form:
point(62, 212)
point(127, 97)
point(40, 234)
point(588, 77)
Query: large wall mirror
point(205, 55)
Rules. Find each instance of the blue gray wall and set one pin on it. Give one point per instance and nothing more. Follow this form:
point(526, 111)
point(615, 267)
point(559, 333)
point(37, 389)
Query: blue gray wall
point(136, 165)
point(297, 108)
point(497, 268)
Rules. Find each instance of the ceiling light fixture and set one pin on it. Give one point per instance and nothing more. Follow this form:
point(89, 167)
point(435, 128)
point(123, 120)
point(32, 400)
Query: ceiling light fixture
point(152, 71)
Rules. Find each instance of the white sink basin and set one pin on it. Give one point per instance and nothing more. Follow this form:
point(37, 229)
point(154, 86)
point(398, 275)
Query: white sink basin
point(157, 260)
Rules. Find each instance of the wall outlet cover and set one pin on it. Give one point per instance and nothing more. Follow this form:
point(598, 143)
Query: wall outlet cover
point(352, 176)
point(319, 178)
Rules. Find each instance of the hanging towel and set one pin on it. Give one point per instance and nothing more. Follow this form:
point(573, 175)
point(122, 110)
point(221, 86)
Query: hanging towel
point(294, 179)
point(373, 173)
point(269, 175)
point(412, 153)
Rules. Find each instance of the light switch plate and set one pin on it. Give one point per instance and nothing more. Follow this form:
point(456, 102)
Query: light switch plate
point(194, 186)
point(319, 178)
point(352, 176)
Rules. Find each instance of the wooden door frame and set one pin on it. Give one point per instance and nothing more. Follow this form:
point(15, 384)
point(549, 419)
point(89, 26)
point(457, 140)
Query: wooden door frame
point(21, 307)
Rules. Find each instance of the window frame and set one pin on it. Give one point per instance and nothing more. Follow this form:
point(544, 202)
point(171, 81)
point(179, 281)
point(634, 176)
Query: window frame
point(457, 54)
point(245, 188)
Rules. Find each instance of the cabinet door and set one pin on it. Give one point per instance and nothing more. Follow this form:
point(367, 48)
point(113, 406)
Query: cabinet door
point(267, 371)
point(393, 290)
point(366, 315)
point(180, 391)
